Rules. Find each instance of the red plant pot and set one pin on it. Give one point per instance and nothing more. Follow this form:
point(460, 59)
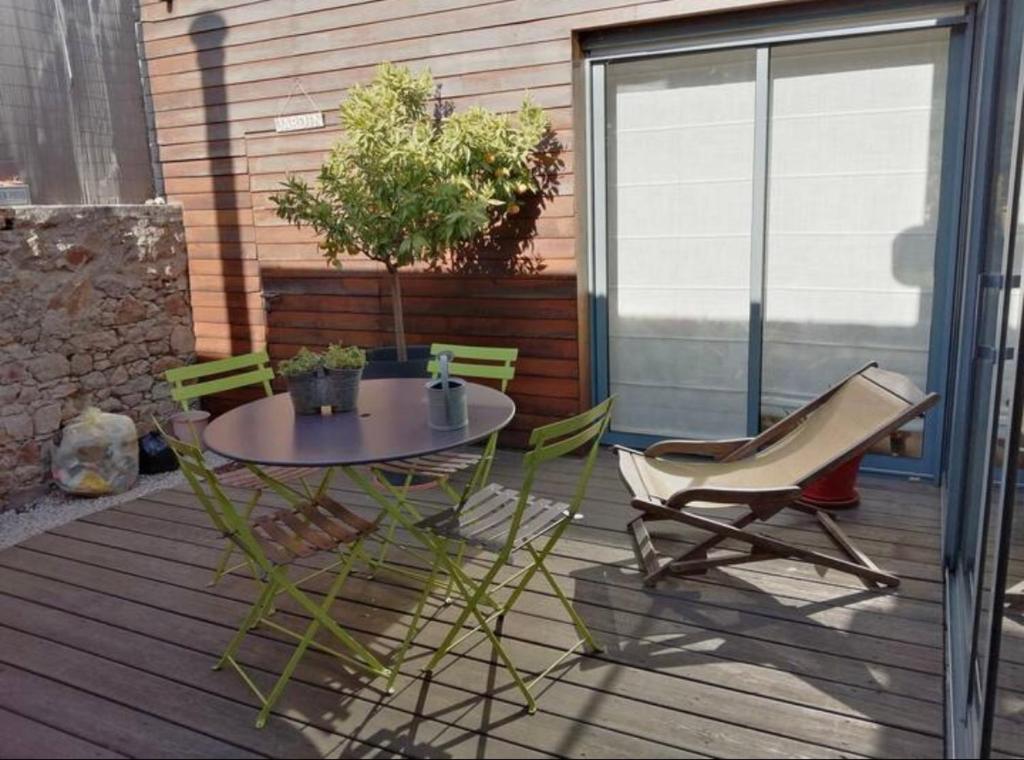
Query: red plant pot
point(836, 489)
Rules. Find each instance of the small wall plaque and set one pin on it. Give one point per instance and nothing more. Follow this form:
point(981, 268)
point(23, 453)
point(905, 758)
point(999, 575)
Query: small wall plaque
point(299, 121)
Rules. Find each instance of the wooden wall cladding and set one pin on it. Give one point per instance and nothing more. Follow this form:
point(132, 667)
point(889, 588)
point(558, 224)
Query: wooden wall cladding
point(219, 71)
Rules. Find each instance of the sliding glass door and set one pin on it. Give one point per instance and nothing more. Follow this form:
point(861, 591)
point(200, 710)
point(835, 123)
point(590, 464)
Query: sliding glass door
point(856, 134)
point(680, 147)
point(768, 220)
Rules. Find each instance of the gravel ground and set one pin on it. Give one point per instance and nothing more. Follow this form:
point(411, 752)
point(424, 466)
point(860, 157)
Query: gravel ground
point(59, 508)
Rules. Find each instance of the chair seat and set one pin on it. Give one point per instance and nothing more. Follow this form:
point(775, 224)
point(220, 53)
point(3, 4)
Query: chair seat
point(442, 465)
point(486, 518)
point(309, 528)
point(243, 477)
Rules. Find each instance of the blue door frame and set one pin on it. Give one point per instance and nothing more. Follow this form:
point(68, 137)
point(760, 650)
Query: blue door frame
point(929, 465)
point(980, 493)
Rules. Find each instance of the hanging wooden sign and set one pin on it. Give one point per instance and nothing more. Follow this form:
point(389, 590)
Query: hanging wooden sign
point(299, 121)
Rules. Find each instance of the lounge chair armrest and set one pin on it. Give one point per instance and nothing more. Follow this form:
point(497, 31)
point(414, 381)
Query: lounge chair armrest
point(751, 497)
point(715, 449)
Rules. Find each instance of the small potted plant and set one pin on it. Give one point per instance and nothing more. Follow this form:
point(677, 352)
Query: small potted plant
point(343, 369)
point(303, 373)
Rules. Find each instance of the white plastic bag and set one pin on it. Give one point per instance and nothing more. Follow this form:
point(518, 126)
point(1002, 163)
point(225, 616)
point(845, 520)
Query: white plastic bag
point(98, 454)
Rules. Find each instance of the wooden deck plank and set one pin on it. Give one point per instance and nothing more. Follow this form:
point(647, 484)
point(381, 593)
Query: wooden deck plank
point(609, 514)
point(596, 617)
point(603, 542)
point(612, 535)
point(738, 738)
point(606, 601)
point(753, 598)
point(311, 728)
point(27, 738)
point(643, 684)
point(441, 701)
point(806, 662)
point(773, 656)
point(104, 722)
point(735, 587)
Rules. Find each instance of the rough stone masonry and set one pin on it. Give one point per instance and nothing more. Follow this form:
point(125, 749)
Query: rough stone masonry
point(94, 308)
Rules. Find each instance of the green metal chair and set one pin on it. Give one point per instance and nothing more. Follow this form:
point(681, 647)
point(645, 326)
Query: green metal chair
point(504, 521)
point(195, 381)
point(271, 544)
point(401, 476)
point(478, 362)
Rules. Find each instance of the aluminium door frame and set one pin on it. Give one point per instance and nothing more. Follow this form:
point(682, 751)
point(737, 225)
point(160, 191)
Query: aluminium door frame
point(970, 686)
point(951, 176)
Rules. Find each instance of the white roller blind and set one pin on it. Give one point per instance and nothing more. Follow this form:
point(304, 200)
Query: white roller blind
point(855, 154)
point(680, 155)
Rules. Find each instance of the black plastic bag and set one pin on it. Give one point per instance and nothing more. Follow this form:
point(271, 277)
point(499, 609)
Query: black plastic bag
point(155, 455)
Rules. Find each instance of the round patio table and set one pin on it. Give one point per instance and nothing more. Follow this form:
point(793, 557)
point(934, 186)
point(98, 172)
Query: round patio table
point(389, 422)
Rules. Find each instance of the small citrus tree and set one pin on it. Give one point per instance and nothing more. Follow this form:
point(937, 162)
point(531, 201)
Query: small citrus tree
point(411, 178)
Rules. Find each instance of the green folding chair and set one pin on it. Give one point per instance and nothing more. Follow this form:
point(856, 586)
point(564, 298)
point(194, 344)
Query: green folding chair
point(505, 521)
point(478, 362)
point(435, 470)
point(195, 381)
point(271, 544)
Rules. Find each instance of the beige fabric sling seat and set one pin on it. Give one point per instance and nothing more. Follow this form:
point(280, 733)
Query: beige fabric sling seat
point(766, 474)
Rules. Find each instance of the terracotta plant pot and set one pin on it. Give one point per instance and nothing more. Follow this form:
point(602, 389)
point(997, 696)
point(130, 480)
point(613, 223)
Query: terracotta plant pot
point(836, 489)
point(189, 426)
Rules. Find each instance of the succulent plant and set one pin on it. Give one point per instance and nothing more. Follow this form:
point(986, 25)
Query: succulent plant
point(304, 362)
point(338, 356)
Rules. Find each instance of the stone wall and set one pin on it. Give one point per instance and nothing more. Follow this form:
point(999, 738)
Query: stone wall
point(93, 307)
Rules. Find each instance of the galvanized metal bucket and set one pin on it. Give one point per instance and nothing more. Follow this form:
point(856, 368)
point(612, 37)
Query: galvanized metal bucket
point(447, 408)
point(341, 389)
point(446, 404)
point(306, 392)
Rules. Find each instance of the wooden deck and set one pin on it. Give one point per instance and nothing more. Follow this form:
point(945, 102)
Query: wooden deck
point(107, 634)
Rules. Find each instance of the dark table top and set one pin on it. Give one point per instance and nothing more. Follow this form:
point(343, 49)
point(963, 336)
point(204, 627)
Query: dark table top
point(390, 422)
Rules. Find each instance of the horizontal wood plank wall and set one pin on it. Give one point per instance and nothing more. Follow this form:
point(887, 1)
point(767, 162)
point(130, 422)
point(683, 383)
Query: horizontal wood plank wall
point(221, 70)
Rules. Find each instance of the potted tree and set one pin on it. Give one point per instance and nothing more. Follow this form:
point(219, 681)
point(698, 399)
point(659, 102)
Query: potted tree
point(303, 374)
point(343, 369)
point(411, 178)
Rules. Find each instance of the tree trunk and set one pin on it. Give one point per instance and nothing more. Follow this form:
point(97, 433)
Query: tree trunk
point(396, 309)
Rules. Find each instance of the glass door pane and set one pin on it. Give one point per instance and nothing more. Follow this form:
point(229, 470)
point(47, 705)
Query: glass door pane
point(855, 150)
point(680, 141)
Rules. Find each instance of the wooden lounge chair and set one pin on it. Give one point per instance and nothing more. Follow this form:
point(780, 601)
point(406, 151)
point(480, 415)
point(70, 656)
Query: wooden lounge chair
point(766, 474)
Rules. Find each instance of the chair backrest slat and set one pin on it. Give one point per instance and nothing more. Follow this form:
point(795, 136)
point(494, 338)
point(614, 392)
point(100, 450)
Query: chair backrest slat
point(485, 362)
point(220, 384)
point(548, 451)
point(464, 369)
point(198, 380)
point(545, 433)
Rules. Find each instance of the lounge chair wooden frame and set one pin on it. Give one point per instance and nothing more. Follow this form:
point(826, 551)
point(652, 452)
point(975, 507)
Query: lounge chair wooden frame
point(762, 503)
